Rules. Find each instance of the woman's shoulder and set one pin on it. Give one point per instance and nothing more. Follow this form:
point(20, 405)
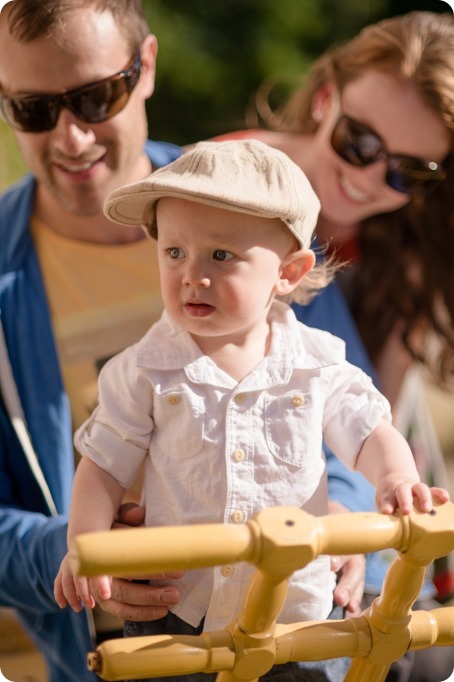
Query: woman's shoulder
point(274, 138)
point(292, 144)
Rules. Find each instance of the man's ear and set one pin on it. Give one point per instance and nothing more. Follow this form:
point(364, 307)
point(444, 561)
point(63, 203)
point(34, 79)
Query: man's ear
point(148, 54)
point(293, 269)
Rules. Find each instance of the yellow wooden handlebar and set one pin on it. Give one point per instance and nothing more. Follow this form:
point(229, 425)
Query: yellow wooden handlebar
point(278, 541)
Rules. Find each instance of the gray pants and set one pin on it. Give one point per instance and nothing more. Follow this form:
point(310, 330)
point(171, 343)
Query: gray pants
point(333, 670)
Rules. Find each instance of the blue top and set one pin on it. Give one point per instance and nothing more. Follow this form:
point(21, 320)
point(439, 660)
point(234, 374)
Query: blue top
point(33, 543)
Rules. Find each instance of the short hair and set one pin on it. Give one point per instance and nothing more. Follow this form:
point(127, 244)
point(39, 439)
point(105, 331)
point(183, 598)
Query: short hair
point(29, 19)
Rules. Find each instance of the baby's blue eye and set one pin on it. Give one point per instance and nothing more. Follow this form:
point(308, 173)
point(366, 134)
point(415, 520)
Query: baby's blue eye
point(175, 253)
point(220, 254)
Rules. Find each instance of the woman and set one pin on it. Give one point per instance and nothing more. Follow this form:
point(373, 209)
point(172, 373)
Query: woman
point(390, 89)
point(373, 129)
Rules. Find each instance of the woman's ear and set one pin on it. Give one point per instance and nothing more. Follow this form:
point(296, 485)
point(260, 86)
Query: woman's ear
point(293, 269)
point(321, 101)
point(148, 55)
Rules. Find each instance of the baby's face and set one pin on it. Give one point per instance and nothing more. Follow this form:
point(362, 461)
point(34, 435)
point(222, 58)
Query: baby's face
point(218, 268)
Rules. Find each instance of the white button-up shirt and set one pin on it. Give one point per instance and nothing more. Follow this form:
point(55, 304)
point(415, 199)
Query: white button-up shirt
point(218, 451)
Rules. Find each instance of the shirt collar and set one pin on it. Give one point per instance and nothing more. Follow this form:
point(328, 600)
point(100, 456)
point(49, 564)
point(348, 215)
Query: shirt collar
point(293, 346)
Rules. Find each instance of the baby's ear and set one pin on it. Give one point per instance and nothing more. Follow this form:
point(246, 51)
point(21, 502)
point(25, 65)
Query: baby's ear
point(293, 269)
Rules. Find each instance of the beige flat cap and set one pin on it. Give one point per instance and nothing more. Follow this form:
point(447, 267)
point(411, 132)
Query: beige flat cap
point(246, 176)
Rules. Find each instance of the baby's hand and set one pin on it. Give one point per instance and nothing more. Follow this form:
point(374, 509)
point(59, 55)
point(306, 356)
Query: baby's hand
point(398, 492)
point(75, 590)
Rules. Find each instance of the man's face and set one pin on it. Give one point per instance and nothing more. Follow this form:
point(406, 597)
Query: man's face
point(77, 164)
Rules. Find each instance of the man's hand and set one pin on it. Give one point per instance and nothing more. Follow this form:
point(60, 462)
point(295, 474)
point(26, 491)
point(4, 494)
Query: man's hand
point(350, 586)
point(138, 601)
point(351, 572)
point(132, 600)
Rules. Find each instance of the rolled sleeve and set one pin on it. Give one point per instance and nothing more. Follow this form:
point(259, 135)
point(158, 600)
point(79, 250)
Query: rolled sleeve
point(119, 457)
point(353, 411)
point(117, 435)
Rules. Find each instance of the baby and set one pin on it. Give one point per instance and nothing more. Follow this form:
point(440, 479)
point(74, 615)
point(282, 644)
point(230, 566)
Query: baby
point(227, 397)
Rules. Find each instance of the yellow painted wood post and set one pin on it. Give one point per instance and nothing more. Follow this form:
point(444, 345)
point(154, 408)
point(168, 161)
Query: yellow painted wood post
point(161, 655)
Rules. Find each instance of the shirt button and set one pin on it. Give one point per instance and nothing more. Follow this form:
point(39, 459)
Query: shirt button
point(240, 398)
point(237, 516)
point(238, 455)
point(173, 399)
point(298, 400)
point(227, 571)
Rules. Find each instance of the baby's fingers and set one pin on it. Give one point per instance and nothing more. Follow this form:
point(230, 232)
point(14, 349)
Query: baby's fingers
point(82, 587)
point(401, 497)
point(387, 502)
point(69, 591)
point(441, 494)
point(59, 593)
point(102, 583)
point(422, 492)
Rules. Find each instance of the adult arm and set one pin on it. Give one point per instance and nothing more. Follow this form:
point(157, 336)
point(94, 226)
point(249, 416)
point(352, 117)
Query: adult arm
point(348, 491)
point(31, 548)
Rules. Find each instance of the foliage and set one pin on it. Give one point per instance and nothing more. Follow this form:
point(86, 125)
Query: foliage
point(12, 166)
point(214, 55)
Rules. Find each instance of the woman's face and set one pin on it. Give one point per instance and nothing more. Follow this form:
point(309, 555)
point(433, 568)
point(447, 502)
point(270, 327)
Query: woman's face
point(395, 111)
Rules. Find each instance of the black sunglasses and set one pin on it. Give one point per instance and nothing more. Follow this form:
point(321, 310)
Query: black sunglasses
point(92, 103)
point(360, 146)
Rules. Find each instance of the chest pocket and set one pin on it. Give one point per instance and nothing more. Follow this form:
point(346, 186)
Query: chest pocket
point(179, 423)
point(292, 429)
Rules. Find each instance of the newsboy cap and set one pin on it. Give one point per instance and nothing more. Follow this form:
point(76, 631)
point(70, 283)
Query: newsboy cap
point(246, 176)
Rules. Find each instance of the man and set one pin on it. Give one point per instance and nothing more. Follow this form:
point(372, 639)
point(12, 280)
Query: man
point(74, 288)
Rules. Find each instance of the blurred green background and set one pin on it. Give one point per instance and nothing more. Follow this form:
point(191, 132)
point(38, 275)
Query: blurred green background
point(214, 54)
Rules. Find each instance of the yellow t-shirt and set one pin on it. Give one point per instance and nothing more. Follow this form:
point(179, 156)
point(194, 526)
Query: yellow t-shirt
point(102, 298)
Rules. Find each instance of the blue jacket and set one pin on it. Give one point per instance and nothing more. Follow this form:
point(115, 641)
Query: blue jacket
point(32, 541)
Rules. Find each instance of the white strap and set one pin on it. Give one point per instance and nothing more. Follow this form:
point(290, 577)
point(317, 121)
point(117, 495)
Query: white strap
point(13, 406)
